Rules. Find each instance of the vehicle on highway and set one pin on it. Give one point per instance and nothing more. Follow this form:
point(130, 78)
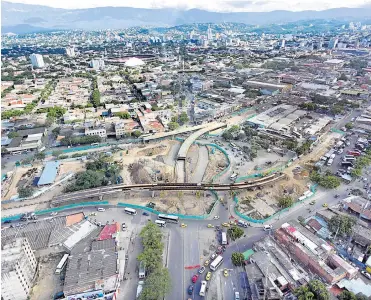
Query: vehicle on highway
point(210, 226)
point(101, 209)
point(130, 211)
point(160, 223)
point(216, 218)
point(208, 276)
point(336, 196)
point(194, 278)
point(93, 214)
point(145, 214)
point(226, 225)
point(236, 296)
point(190, 290)
point(207, 262)
point(123, 226)
point(233, 176)
point(183, 225)
point(325, 205)
point(168, 218)
point(224, 238)
point(225, 273)
point(312, 202)
point(213, 256)
point(142, 270)
point(201, 270)
point(203, 288)
point(242, 223)
point(329, 162)
point(54, 213)
point(366, 274)
point(216, 263)
point(267, 227)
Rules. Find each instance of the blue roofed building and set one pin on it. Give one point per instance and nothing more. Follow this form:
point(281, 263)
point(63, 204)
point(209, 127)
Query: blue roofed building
point(49, 173)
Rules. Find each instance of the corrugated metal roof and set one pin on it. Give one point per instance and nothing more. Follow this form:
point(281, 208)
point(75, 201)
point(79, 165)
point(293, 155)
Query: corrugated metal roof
point(49, 173)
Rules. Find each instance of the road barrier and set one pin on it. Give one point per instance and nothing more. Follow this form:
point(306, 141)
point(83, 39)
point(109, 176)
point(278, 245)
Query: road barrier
point(277, 214)
point(58, 209)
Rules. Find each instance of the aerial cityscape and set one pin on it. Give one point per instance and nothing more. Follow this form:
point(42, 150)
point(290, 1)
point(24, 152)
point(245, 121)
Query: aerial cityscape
point(186, 150)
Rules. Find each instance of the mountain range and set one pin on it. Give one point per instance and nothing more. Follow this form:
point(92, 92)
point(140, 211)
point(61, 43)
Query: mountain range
point(24, 18)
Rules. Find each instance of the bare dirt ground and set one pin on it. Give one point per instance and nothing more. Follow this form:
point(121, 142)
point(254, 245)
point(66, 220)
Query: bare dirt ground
point(47, 283)
point(217, 163)
point(192, 160)
point(148, 171)
point(262, 203)
point(187, 203)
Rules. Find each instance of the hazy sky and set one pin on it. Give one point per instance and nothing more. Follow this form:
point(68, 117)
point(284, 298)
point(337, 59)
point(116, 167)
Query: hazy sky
point(212, 5)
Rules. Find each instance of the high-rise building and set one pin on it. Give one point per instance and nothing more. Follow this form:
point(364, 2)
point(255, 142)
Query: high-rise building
point(97, 64)
point(37, 60)
point(283, 43)
point(209, 33)
point(70, 51)
point(333, 43)
point(18, 267)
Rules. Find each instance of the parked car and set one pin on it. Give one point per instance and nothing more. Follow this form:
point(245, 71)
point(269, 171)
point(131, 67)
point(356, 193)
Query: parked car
point(201, 270)
point(190, 290)
point(366, 274)
point(206, 263)
point(145, 213)
point(208, 276)
point(194, 278)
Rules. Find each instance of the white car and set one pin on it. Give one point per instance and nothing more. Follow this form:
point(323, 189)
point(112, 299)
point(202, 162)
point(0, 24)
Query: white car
point(236, 296)
point(267, 227)
point(216, 218)
point(54, 213)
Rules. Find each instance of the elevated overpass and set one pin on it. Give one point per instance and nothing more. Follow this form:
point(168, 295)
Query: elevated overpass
point(182, 154)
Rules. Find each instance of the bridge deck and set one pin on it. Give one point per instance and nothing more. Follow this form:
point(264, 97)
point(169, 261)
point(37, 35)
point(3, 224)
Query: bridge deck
point(194, 136)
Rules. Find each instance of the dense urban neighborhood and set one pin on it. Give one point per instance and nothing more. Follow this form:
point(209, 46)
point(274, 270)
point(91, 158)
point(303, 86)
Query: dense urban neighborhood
point(202, 161)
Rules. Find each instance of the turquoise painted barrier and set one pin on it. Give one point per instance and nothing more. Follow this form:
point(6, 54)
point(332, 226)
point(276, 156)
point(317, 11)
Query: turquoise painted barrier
point(77, 149)
point(277, 214)
point(337, 131)
point(57, 209)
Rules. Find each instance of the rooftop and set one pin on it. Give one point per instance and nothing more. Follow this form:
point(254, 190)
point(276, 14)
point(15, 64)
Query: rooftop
point(49, 173)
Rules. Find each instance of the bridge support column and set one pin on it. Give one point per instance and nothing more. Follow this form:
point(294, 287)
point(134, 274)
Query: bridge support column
point(153, 194)
point(100, 197)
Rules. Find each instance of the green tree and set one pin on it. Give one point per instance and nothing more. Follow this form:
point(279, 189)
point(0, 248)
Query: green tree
point(57, 153)
point(157, 285)
point(40, 156)
point(346, 295)
point(326, 181)
point(341, 225)
point(86, 180)
point(291, 145)
point(123, 115)
point(183, 118)
point(314, 290)
point(13, 134)
point(238, 259)
point(357, 172)
point(319, 289)
point(136, 133)
point(25, 192)
point(235, 232)
point(285, 201)
point(348, 125)
point(95, 97)
point(227, 135)
point(173, 125)
point(304, 293)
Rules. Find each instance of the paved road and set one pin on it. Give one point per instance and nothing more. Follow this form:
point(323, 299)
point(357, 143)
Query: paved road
point(203, 160)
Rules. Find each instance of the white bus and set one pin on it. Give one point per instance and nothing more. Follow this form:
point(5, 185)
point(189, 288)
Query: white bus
point(168, 218)
point(216, 263)
point(130, 211)
point(160, 223)
point(224, 238)
point(203, 288)
point(62, 264)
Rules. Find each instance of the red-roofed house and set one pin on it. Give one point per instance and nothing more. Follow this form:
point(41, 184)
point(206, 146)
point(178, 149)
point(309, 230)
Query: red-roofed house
point(109, 232)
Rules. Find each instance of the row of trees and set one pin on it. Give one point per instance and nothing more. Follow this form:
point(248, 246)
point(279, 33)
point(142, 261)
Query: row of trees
point(95, 96)
point(327, 180)
point(158, 281)
point(83, 140)
point(314, 290)
point(361, 162)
